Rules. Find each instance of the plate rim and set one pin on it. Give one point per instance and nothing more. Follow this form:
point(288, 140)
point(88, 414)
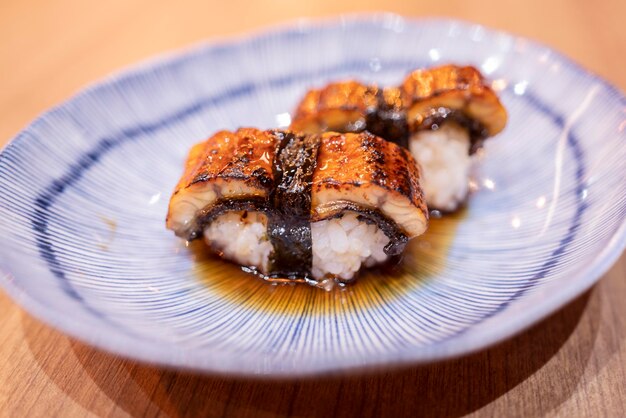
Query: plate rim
point(447, 349)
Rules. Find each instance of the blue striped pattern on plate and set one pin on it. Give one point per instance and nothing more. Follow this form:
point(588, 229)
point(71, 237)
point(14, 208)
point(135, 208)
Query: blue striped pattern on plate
point(84, 191)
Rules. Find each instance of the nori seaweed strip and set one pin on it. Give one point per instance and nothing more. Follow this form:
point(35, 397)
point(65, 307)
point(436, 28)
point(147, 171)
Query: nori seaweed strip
point(389, 122)
point(289, 225)
point(477, 131)
point(388, 119)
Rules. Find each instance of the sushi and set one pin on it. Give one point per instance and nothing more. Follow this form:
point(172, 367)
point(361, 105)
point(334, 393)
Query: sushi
point(295, 205)
point(443, 115)
point(450, 112)
point(349, 106)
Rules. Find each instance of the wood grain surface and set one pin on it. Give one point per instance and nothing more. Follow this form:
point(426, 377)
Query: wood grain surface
point(572, 364)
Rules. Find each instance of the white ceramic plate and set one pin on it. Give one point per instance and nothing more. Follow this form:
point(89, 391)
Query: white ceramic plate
point(84, 191)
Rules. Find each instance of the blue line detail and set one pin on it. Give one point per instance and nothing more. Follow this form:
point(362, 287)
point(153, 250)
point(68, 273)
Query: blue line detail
point(46, 199)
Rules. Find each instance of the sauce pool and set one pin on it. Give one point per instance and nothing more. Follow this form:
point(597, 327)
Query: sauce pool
point(423, 258)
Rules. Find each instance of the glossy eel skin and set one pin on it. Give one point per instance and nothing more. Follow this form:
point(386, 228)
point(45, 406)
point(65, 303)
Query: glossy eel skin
point(442, 115)
point(425, 99)
point(294, 179)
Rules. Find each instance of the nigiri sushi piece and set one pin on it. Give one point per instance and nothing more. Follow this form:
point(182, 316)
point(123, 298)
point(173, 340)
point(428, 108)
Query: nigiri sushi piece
point(450, 111)
point(442, 115)
point(366, 203)
point(350, 106)
point(224, 194)
point(300, 206)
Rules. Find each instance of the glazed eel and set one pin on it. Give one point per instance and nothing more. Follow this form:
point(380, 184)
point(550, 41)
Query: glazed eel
point(426, 99)
point(296, 179)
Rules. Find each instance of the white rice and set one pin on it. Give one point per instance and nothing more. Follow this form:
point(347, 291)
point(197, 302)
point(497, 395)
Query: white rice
point(342, 245)
point(444, 157)
point(242, 237)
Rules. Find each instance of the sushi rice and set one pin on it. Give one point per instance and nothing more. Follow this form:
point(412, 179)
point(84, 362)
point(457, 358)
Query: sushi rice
point(340, 245)
point(444, 157)
point(241, 236)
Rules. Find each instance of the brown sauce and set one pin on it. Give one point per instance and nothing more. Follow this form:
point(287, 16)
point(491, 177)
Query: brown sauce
point(423, 258)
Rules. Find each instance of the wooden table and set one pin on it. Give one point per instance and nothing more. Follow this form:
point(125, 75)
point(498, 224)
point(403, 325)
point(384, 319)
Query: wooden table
point(571, 364)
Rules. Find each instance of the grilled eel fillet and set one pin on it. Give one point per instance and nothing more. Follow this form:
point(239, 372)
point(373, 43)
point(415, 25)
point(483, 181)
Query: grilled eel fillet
point(349, 106)
point(229, 166)
point(297, 179)
point(426, 98)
